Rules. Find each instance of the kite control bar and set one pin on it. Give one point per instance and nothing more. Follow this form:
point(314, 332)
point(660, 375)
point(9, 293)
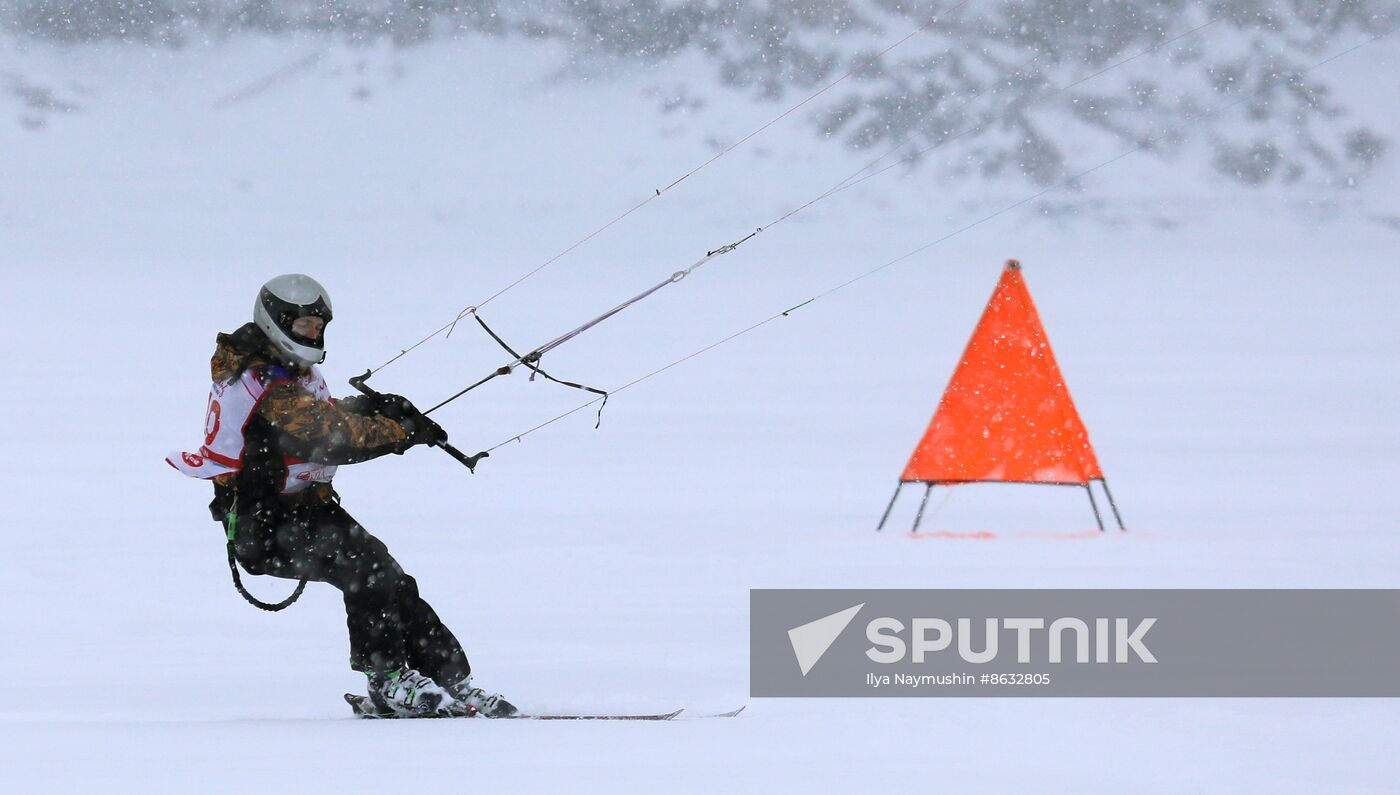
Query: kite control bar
point(469, 461)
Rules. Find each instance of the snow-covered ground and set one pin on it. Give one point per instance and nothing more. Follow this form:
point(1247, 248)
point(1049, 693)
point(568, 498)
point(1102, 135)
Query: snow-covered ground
point(1233, 354)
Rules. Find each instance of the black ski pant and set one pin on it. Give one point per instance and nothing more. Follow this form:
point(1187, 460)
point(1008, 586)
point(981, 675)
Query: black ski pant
point(391, 626)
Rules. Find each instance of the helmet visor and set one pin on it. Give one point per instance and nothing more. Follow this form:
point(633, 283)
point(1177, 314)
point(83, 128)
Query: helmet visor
point(285, 315)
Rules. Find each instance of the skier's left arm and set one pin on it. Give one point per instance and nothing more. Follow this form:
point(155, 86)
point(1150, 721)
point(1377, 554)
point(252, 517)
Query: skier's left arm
point(420, 429)
point(326, 432)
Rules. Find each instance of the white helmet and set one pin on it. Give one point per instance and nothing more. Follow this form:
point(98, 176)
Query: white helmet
point(280, 302)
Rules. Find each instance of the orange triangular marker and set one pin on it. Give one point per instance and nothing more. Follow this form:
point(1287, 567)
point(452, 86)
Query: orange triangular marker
point(1006, 415)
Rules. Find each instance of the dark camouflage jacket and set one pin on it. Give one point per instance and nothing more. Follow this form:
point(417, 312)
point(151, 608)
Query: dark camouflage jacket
point(291, 421)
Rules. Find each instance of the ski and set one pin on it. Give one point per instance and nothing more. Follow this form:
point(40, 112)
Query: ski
point(364, 708)
point(734, 713)
point(659, 716)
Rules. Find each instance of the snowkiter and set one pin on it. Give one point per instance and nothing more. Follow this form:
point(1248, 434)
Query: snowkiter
point(273, 439)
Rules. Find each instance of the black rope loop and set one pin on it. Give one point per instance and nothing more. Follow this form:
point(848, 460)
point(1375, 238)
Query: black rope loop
point(532, 360)
point(253, 600)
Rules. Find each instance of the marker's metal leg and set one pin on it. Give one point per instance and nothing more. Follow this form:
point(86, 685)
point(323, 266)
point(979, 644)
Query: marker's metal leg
point(890, 507)
point(919, 518)
point(1094, 503)
point(1112, 504)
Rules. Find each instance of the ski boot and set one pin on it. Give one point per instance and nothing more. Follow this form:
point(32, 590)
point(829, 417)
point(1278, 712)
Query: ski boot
point(408, 694)
point(473, 701)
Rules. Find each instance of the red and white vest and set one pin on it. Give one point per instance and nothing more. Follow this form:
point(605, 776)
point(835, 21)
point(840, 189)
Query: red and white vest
point(231, 406)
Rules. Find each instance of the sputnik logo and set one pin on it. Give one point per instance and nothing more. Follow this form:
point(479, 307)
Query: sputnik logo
point(811, 640)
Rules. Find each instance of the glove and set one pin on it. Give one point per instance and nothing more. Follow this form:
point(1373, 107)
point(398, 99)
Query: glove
point(396, 407)
point(420, 430)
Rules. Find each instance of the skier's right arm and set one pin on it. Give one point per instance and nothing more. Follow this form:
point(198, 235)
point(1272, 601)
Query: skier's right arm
point(319, 431)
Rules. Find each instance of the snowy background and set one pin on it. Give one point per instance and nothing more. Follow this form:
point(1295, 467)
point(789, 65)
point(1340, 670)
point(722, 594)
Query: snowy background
point(1231, 345)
